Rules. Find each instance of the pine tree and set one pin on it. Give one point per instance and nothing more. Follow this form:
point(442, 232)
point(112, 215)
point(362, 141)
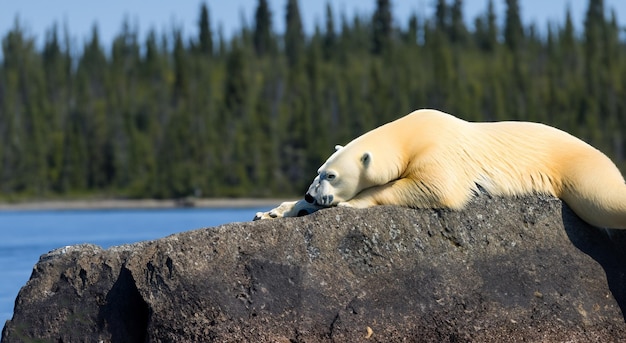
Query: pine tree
point(410, 38)
point(57, 69)
point(441, 16)
point(151, 119)
point(181, 74)
point(262, 35)
point(205, 36)
point(458, 32)
point(236, 93)
point(123, 100)
point(294, 35)
point(90, 114)
point(486, 31)
point(330, 36)
point(567, 38)
point(23, 131)
point(382, 27)
point(513, 30)
point(236, 86)
point(594, 47)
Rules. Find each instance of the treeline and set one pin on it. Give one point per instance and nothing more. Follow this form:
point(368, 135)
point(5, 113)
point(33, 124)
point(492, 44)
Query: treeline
point(255, 114)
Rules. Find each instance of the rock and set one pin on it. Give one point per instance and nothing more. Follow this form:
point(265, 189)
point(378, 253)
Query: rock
point(515, 270)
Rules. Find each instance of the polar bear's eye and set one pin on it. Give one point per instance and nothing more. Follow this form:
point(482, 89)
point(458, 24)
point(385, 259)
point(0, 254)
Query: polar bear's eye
point(330, 176)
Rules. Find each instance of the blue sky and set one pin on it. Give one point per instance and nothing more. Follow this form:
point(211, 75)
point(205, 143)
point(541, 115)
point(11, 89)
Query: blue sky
point(37, 16)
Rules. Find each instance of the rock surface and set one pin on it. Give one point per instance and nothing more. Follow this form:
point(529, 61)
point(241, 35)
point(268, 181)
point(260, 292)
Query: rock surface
point(503, 270)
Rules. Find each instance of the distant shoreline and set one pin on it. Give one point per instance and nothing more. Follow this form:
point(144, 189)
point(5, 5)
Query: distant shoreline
point(104, 204)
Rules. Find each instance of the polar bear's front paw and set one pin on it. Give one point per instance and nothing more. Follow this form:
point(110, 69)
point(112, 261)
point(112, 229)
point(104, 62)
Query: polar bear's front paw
point(289, 209)
point(264, 215)
point(283, 210)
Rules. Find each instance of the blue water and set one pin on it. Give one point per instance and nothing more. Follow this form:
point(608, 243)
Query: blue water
point(26, 235)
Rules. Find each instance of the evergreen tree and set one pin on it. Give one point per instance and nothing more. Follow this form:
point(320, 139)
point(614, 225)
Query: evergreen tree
point(90, 115)
point(567, 38)
point(236, 86)
point(513, 30)
point(92, 62)
point(486, 29)
point(121, 102)
point(330, 36)
point(594, 47)
point(492, 30)
point(441, 16)
point(382, 27)
point(57, 69)
point(262, 29)
point(205, 36)
point(294, 34)
point(594, 34)
point(24, 129)
point(410, 38)
point(181, 77)
point(458, 32)
point(57, 66)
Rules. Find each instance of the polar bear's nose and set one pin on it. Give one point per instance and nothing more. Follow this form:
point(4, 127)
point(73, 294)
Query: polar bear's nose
point(308, 198)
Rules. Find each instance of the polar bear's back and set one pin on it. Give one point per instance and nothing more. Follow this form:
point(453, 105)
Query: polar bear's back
point(504, 158)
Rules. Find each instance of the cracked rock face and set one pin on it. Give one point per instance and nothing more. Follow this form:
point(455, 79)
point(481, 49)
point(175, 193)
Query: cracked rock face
point(522, 269)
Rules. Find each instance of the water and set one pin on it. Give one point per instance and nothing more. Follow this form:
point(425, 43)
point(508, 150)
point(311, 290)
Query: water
point(26, 235)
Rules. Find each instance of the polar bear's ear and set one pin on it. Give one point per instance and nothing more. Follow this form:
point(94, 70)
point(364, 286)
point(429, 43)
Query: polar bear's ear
point(366, 159)
point(338, 147)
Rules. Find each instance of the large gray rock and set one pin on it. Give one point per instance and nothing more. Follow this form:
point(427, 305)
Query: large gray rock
point(503, 270)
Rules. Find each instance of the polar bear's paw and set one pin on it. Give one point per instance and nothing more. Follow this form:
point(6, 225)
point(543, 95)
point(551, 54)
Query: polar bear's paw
point(277, 212)
point(265, 215)
point(289, 209)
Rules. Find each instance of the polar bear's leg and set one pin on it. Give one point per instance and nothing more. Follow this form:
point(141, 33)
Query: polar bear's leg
point(289, 209)
point(407, 192)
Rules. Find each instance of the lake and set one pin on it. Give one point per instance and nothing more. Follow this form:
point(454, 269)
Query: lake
point(26, 235)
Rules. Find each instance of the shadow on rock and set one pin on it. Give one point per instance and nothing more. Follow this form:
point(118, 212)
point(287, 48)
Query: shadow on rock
point(605, 246)
point(125, 314)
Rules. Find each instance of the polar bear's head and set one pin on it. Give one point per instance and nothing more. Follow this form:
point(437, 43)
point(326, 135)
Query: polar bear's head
point(340, 178)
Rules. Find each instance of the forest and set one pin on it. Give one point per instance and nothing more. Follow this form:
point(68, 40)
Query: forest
point(255, 114)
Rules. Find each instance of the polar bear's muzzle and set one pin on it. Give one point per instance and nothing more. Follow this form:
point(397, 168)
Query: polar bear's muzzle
point(318, 193)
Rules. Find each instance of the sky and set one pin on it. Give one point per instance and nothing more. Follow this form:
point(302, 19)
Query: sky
point(79, 16)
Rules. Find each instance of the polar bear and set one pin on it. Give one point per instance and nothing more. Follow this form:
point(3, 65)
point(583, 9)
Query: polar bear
point(430, 159)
